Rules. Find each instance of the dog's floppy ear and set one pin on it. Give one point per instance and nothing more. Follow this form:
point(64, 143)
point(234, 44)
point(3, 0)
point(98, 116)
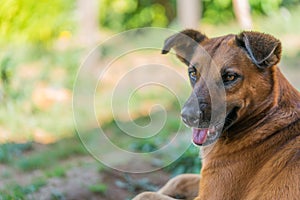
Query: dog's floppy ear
point(263, 49)
point(184, 44)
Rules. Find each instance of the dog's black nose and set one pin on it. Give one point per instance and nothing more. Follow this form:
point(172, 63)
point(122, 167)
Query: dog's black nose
point(191, 116)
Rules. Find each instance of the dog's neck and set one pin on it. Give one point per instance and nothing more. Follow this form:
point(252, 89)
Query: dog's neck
point(282, 103)
point(253, 146)
point(281, 109)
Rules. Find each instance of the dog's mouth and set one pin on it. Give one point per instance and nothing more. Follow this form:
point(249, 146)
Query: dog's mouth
point(206, 136)
point(230, 118)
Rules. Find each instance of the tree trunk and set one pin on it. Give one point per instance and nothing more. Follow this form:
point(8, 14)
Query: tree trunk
point(189, 13)
point(242, 13)
point(88, 22)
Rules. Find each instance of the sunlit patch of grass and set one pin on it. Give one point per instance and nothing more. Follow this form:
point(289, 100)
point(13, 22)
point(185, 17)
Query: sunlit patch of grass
point(98, 188)
point(56, 172)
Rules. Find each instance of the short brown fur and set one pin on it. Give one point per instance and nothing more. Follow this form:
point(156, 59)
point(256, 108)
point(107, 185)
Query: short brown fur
point(258, 155)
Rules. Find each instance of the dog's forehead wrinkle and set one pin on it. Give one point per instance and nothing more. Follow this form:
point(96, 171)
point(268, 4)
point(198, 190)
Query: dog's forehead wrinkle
point(227, 61)
point(215, 54)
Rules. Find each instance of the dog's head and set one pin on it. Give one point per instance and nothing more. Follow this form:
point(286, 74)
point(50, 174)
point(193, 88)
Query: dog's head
point(240, 64)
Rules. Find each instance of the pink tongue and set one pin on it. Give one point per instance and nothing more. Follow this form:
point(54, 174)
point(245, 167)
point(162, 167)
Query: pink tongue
point(199, 135)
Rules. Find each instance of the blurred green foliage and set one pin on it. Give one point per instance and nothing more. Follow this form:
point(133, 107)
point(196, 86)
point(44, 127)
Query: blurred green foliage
point(34, 21)
point(7, 65)
point(123, 15)
point(40, 22)
point(5, 68)
point(221, 11)
point(16, 90)
point(217, 11)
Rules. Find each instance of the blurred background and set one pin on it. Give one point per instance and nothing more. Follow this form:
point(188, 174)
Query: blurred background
point(43, 44)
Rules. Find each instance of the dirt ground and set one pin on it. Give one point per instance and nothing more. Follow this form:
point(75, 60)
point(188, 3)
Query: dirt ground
point(84, 172)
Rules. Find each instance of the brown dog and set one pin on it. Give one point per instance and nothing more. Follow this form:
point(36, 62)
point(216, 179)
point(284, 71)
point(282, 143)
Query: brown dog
point(254, 153)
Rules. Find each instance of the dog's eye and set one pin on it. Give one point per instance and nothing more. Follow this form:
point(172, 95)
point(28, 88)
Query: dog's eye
point(229, 77)
point(193, 74)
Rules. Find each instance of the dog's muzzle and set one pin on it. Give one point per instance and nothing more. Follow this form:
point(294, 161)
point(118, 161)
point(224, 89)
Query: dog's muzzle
point(191, 117)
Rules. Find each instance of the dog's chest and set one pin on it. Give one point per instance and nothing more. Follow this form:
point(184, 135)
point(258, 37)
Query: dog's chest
point(224, 182)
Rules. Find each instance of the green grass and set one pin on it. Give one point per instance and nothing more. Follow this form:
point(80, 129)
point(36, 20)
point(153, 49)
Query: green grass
point(56, 195)
point(10, 150)
point(50, 156)
point(16, 191)
point(98, 188)
point(56, 172)
point(45, 158)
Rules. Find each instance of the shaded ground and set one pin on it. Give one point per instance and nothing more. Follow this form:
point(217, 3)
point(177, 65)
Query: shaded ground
point(78, 177)
point(79, 181)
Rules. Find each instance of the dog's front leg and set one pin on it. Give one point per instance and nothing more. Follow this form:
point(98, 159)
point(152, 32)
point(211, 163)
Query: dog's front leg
point(152, 196)
point(185, 186)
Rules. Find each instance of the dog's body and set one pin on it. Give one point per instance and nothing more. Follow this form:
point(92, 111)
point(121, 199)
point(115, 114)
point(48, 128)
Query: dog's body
point(257, 154)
